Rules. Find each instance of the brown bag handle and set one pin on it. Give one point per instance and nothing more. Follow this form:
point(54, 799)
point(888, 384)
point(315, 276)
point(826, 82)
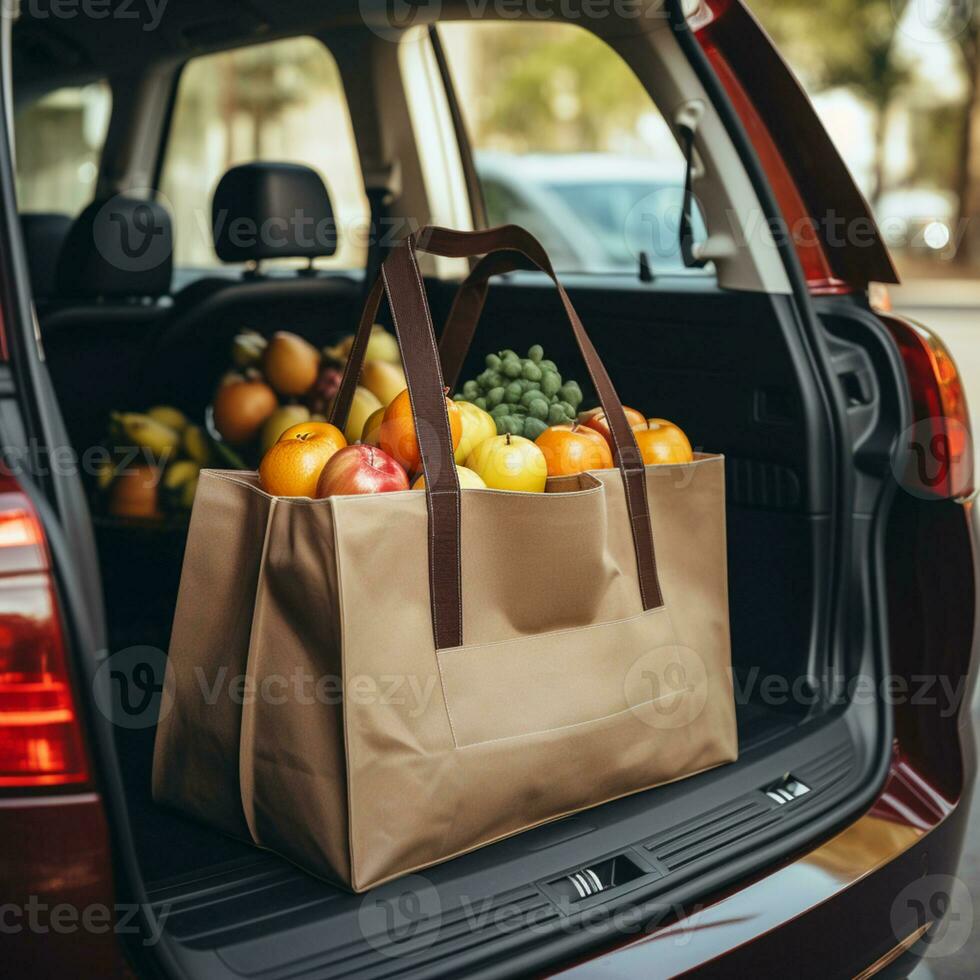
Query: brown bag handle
point(401, 282)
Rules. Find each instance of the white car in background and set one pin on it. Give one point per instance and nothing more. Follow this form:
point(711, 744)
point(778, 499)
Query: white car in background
point(918, 218)
point(594, 212)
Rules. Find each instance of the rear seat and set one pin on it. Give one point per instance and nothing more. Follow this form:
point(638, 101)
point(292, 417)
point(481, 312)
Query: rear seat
point(112, 280)
point(44, 233)
point(260, 211)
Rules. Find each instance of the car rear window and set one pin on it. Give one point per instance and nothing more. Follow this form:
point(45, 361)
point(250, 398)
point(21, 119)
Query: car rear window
point(58, 141)
point(281, 101)
point(568, 143)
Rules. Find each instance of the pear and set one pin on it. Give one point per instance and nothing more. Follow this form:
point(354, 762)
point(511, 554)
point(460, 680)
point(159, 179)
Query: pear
point(385, 381)
point(291, 364)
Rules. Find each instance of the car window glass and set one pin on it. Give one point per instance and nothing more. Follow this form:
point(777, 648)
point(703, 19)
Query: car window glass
point(568, 143)
point(58, 141)
point(282, 101)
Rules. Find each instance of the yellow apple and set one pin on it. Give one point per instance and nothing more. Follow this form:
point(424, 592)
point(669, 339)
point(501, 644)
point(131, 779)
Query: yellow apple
point(363, 405)
point(510, 463)
point(477, 426)
point(468, 480)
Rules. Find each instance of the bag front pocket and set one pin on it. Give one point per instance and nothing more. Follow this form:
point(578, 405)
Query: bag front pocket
point(553, 681)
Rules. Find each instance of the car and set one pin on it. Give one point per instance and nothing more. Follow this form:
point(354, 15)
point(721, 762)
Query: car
point(918, 218)
point(595, 211)
point(830, 847)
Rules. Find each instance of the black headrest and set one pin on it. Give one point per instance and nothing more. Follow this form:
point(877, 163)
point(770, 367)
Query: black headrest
point(43, 238)
point(272, 211)
point(117, 247)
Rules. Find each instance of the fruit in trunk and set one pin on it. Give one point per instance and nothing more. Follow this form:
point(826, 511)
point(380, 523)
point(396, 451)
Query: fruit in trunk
point(242, 408)
point(398, 436)
point(136, 492)
point(147, 433)
point(468, 480)
point(371, 436)
point(477, 426)
point(194, 444)
point(293, 465)
point(573, 448)
point(596, 419)
point(169, 416)
point(247, 348)
point(385, 381)
point(362, 406)
point(281, 420)
point(291, 364)
point(509, 463)
point(382, 346)
point(361, 469)
point(661, 441)
point(324, 389)
point(179, 484)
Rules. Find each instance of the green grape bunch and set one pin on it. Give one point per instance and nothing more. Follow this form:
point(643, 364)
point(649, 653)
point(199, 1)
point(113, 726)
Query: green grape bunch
point(524, 395)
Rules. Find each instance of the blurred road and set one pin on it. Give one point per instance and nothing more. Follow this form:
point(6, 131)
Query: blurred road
point(959, 328)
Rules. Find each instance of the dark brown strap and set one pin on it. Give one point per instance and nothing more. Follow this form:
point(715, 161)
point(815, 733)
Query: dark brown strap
point(522, 251)
point(402, 283)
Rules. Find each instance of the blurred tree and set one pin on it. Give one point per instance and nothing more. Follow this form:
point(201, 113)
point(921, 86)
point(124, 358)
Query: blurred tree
point(966, 183)
point(855, 51)
point(935, 136)
point(592, 100)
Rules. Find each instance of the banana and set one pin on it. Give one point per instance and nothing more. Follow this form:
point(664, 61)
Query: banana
point(180, 473)
point(105, 474)
point(187, 493)
point(196, 445)
point(148, 433)
point(167, 415)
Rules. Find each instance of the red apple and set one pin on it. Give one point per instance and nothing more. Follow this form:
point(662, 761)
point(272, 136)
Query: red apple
point(595, 418)
point(360, 469)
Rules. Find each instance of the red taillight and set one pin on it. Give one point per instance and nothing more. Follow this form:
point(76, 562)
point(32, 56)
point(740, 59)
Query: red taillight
point(40, 733)
point(937, 449)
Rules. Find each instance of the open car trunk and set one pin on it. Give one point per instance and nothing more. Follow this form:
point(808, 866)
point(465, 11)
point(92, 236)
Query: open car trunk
point(730, 368)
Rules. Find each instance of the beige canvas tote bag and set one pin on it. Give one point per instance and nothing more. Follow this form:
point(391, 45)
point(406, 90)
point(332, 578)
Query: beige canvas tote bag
point(369, 685)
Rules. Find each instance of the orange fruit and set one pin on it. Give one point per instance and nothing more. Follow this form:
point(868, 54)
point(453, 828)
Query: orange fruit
point(397, 434)
point(241, 409)
point(574, 448)
point(136, 492)
point(292, 466)
point(314, 430)
point(661, 441)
